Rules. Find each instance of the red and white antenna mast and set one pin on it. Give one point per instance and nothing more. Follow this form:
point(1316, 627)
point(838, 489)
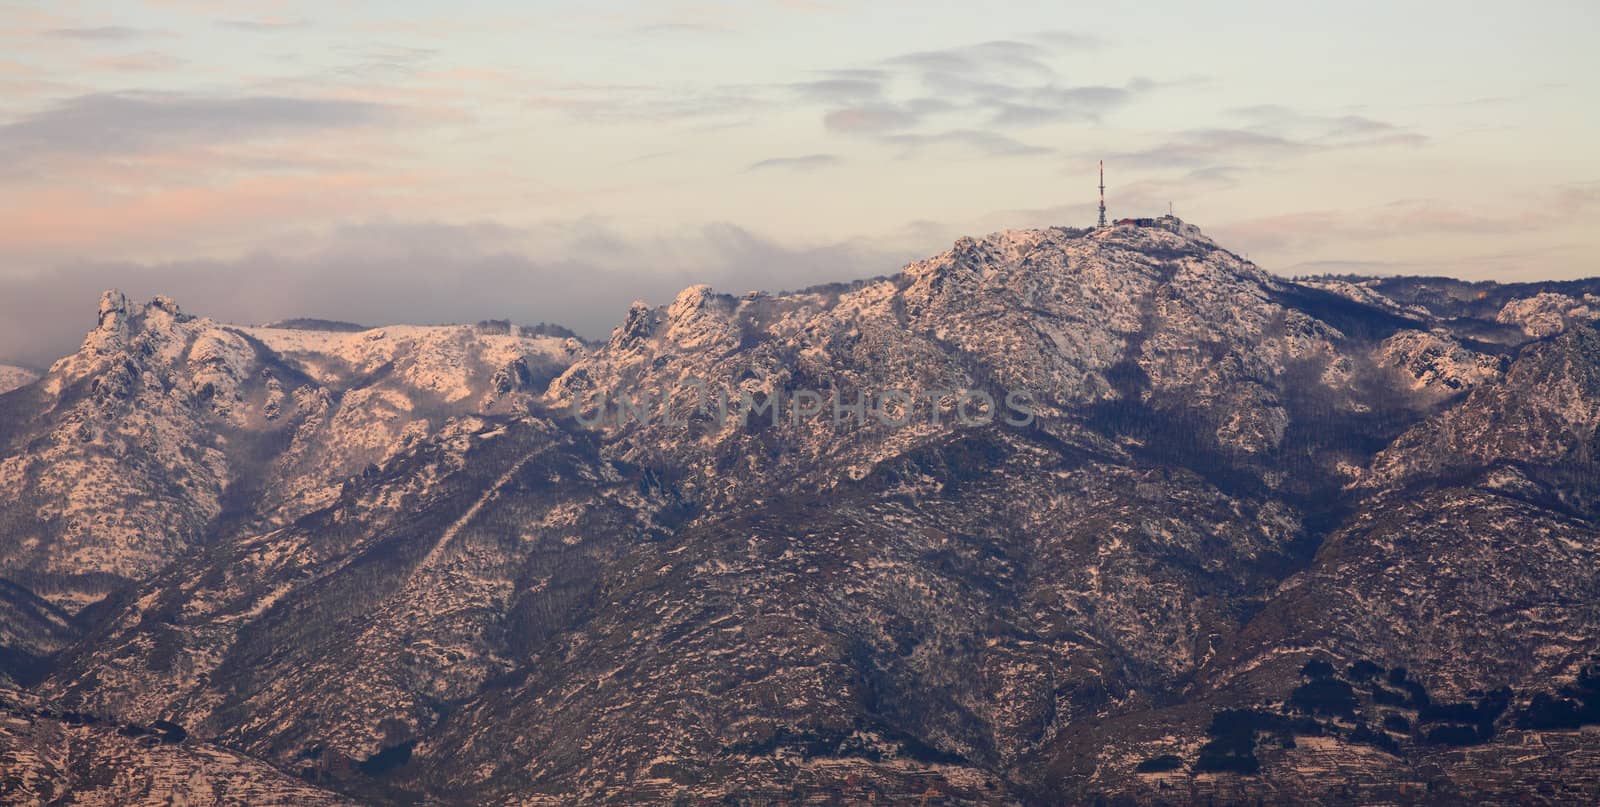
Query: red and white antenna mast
point(1102, 193)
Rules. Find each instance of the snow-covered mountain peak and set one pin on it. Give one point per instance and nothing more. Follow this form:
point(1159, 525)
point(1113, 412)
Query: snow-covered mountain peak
point(128, 335)
point(699, 317)
point(134, 443)
point(113, 304)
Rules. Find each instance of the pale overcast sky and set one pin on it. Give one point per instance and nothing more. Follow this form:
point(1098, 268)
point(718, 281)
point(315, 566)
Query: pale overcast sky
point(551, 160)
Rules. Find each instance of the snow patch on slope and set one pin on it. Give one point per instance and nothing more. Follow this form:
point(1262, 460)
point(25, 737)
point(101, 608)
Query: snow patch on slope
point(13, 377)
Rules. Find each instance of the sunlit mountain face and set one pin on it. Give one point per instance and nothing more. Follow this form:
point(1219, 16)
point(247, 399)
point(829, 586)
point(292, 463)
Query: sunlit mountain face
point(1053, 516)
point(799, 402)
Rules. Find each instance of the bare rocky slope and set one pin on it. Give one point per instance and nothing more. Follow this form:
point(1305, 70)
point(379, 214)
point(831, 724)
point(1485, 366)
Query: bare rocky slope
point(1055, 516)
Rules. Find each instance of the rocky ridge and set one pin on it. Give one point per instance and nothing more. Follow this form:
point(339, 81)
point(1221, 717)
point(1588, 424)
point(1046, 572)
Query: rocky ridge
point(1258, 538)
point(167, 431)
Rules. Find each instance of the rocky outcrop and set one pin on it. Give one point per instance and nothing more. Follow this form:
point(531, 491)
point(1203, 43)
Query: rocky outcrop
point(1548, 313)
point(1435, 361)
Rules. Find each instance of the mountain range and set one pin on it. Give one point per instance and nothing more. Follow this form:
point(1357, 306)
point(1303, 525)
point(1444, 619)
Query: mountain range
point(1057, 516)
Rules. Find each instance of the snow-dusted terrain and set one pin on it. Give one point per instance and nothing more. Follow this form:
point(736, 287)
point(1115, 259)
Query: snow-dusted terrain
point(12, 377)
point(1328, 540)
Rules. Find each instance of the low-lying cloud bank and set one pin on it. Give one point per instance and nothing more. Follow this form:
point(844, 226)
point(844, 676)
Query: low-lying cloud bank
point(582, 275)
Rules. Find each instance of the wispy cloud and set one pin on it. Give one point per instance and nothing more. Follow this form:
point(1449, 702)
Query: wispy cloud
point(806, 162)
point(1310, 229)
point(1411, 218)
point(1347, 130)
point(970, 96)
point(631, 104)
point(383, 62)
point(265, 26)
point(1013, 83)
point(103, 33)
point(1053, 104)
point(870, 119)
point(973, 96)
point(142, 62)
point(113, 124)
point(681, 27)
point(1272, 132)
point(1070, 40)
point(984, 57)
point(990, 143)
point(1205, 147)
point(843, 86)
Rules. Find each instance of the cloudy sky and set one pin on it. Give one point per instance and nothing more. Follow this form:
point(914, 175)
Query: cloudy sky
point(422, 161)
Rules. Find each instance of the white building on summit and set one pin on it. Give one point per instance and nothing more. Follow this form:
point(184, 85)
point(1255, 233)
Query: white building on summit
point(1169, 221)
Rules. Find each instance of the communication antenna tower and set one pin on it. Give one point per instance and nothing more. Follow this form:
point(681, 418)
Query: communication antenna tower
point(1102, 193)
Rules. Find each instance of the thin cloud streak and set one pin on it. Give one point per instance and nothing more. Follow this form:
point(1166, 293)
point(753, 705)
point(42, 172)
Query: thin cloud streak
point(1411, 218)
point(807, 162)
point(990, 143)
point(111, 124)
point(103, 33)
point(265, 26)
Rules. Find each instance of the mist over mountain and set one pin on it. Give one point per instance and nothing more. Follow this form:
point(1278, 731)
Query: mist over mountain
point(1327, 540)
point(582, 274)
